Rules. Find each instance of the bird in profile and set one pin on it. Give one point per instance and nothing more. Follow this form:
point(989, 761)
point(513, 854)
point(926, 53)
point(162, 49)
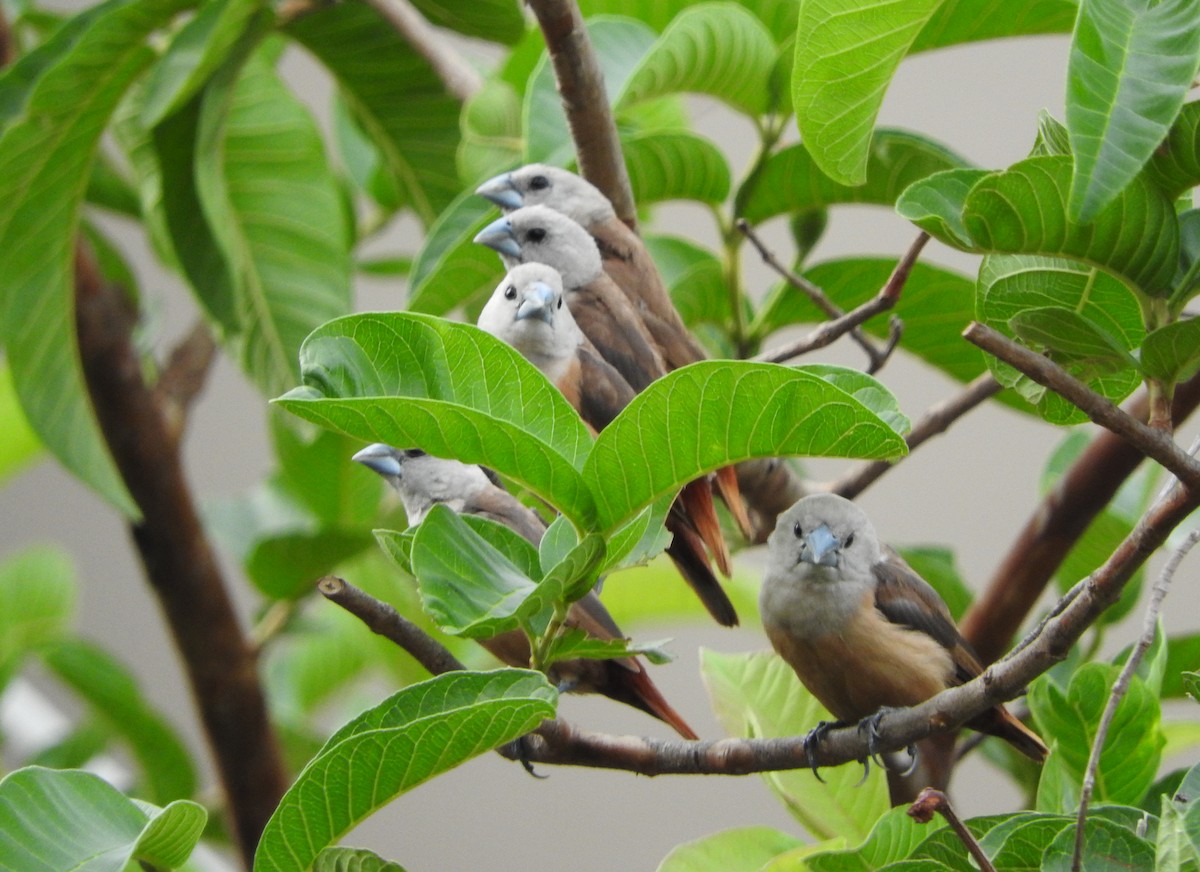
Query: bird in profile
point(423, 481)
point(526, 311)
point(860, 628)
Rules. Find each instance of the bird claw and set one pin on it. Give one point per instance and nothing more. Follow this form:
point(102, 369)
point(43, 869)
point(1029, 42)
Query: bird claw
point(523, 752)
point(813, 739)
point(870, 726)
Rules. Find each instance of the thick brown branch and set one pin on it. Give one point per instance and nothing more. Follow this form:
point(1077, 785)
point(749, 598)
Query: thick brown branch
point(179, 561)
point(937, 419)
point(589, 115)
point(460, 78)
point(1154, 443)
point(1054, 528)
point(830, 331)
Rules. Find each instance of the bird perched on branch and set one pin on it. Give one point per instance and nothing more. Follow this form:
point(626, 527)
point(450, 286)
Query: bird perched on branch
point(423, 481)
point(526, 310)
point(861, 629)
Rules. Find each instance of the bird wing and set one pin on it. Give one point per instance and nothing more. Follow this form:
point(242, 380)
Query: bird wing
point(603, 392)
point(499, 505)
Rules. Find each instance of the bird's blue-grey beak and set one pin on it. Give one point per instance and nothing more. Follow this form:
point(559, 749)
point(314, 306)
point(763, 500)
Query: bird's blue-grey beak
point(502, 191)
point(537, 303)
point(499, 235)
point(821, 547)
point(381, 458)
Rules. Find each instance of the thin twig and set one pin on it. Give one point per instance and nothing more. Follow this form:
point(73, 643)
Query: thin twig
point(814, 293)
point(937, 419)
point(589, 115)
point(184, 376)
point(1153, 443)
point(929, 801)
point(832, 330)
point(460, 78)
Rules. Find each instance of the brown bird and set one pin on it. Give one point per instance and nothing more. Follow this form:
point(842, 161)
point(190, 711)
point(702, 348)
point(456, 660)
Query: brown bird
point(627, 262)
point(526, 310)
point(862, 631)
point(423, 481)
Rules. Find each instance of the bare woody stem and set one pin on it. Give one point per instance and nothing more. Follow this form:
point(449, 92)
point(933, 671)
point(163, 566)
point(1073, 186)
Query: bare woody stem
point(930, 802)
point(830, 331)
point(459, 78)
point(589, 116)
point(178, 559)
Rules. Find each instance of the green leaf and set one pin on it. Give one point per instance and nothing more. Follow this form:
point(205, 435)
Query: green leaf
point(576, 644)
point(1068, 720)
point(449, 389)
point(718, 49)
point(491, 132)
point(791, 181)
point(712, 414)
point(745, 849)
point(619, 44)
point(274, 210)
point(937, 304)
point(450, 269)
point(960, 21)
point(695, 278)
point(353, 860)
point(420, 732)
point(640, 540)
point(1175, 164)
point(1172, 353)
point(1132, 62)
point(1023, 210)
point(846, 54)
point(397, 546)
point(1174, 850)
point(21, 445)
point(109, 189)
point(493, 20)
point(867, 390)
point(935, 204)
point(1010, 285)
point(758, 696)
point(52, 820)
point(195, 53)
point(286, 565)
point(675, 165)
point(893, 837)
point(1191, 684)
point(113, 693)
point(37, 601)
point(313, 470)
point(396, 97)
point(1106, 846)
point(1072, 338)
point(365, 165)
point(1052, 137)
point(1183, 655)
point(46, 153)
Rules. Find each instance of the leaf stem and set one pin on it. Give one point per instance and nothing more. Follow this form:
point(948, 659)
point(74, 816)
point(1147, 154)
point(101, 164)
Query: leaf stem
point(540, 652)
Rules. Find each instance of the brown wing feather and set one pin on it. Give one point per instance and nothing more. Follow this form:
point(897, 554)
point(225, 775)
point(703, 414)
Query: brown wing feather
point(499, 505)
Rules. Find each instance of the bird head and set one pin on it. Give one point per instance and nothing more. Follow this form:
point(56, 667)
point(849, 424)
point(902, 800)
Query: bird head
point(538, 234)
point(543, 185)
point(823, 536)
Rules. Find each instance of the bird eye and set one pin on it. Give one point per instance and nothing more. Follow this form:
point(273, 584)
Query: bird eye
point(510, 293)
point(849, 540)
point(798, 530)
point(539, 182)
point(413, 452)
point(536, 234)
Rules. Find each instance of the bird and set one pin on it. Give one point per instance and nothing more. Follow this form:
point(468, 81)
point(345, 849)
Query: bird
point(625, 259)
point(423, 480)
point(862, 630)
point(526, 311)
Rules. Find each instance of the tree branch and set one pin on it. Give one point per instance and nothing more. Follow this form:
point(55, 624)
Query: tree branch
point(183, 378)
point(830, 331)
point(1154, 443)
point(589, 115)
point(937, 419)
point(178, 560)
point(932, 801)
point(460, 78)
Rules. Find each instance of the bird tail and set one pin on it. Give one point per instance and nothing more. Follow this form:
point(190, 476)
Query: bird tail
point(630, 683)
point(1003, 724)
point(687, 553)
point(731, 495)
point(697, 502)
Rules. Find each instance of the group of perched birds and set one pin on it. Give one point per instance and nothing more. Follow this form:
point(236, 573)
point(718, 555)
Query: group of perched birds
point(584, 302)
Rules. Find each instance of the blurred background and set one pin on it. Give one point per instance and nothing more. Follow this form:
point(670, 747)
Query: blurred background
point(969, 490)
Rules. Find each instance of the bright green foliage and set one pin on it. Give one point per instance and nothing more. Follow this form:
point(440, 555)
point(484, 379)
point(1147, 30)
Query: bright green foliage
point(37, 603)
point(747, 848)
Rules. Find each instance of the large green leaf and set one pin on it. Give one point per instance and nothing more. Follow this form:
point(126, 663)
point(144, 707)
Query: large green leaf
point(1172, 353)
point(712, 48)
point(778, 15)
point(1132, 63)
point(57, 102)
point(450, 269)
point(790, 180)
point(52, 820)
point(758, 696)
point(675, 165)
point(20, 445)
point(746, 849)
point(935, 204)
point(712, 414)
point(1175, 164)
point(619, 44)
point(960, 21)
point(274, 210)
point(450, 389)
point(337, 859)
point(1106, 846)
point(1071, 338)
point(109, 688)
point(395, 95)
point(37, 601)
point(491, 133)
point(695, 278)
point(846, 54)
point(494, 20)
point(892, 838)
point(420, 732)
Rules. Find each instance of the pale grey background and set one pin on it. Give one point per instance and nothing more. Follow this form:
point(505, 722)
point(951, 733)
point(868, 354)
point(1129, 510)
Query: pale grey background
point(971, 490)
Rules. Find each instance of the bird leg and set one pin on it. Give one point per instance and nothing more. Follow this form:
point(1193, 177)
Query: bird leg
point(870, 726)
point(813, 739)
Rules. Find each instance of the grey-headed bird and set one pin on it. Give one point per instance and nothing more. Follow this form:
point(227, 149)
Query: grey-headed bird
point(527, 312)
point(423, 481)
point(861, 629)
